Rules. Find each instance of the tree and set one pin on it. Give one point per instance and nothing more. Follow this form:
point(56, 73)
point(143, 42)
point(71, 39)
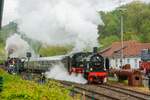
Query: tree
point(136, 23)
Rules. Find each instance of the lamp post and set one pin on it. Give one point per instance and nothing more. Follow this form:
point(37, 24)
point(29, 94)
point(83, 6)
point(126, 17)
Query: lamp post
point(28, 55)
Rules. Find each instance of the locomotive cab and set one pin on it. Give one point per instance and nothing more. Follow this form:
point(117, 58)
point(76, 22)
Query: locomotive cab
point(77, 62)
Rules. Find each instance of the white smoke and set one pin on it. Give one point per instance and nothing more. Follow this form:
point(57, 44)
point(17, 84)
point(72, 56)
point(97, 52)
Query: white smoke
point(17, 47)
point(60, 22)
point(59, 72)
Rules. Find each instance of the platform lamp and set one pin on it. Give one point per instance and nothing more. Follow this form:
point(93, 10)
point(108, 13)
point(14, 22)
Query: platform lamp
point(28, 55)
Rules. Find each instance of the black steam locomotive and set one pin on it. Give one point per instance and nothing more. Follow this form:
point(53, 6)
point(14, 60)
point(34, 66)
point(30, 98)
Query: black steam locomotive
point(89, 64)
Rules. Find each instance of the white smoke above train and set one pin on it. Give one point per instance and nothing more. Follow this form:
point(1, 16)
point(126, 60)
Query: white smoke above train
point(17, 47)
point(59, 22)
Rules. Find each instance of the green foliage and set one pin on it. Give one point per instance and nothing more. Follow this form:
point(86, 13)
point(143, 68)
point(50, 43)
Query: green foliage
point(106, 41)
point(54, 50)
point(131, 36)
point(17, 89)
point(2, 51)
point(111, 23)
point(136, 19)
point(7, 30)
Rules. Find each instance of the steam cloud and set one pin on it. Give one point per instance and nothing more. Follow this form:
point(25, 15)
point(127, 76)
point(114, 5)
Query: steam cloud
point(17, 47)
point(60, 21)
point(59, 72)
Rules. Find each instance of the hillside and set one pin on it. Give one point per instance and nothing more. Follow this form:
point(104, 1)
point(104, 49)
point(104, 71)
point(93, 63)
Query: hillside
point(136, 18)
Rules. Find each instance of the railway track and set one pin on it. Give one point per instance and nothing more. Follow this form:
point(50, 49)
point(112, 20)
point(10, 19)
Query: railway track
point(132, 93)
point(107, 92)
point(89, 94)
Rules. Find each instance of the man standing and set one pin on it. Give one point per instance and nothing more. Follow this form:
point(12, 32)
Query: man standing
point(149, 80)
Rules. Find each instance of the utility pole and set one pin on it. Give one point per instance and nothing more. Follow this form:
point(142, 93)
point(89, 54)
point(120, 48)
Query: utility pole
point(1, 11)
point(121, 32)
point(121, 22)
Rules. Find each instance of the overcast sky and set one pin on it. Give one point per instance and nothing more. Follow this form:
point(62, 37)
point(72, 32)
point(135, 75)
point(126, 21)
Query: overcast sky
point(11, 8)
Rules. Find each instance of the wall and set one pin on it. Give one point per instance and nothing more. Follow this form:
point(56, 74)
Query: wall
point(133, 61)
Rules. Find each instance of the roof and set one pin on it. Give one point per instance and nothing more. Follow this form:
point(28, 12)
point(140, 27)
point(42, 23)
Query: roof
point(130, 49)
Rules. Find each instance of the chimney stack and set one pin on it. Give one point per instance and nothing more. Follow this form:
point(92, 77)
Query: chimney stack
point(95, 50)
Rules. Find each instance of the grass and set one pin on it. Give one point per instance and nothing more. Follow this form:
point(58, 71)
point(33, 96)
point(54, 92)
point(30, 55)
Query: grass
point(112, 81)
point(14, 88)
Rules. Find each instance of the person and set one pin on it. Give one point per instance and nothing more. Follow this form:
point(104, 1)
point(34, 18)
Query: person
point(43, 78)
point(149, 80)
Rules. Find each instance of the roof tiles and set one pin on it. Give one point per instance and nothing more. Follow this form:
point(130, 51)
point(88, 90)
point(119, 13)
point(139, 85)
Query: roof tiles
point(130, 49)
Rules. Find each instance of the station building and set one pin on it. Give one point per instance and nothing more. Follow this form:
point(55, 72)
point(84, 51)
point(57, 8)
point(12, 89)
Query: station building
point(131, 53)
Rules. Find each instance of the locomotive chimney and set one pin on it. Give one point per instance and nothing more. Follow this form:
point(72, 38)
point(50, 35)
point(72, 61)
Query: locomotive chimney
point(95, 50)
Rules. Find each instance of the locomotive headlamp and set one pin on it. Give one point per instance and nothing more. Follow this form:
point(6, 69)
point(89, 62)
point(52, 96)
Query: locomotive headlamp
point(91, 69)
point(81, 65)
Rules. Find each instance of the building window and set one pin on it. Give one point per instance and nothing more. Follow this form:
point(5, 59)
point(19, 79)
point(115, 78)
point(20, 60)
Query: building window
point(128, 61)
point(135, 61)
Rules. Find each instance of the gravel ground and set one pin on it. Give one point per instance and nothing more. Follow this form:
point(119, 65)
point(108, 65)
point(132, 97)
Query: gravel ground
point(139, 89)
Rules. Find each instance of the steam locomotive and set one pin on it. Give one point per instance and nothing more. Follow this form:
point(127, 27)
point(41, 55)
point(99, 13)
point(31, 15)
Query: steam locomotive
point(89, 64)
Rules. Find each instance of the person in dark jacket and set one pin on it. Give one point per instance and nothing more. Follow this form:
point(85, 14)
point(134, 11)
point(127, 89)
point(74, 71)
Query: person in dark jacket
point(149, 80)
point(43, 78)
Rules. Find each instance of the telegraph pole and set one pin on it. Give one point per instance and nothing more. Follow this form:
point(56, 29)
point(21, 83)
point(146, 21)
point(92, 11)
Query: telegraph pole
point(1, 11)
point(121, 32)
point(121, 22)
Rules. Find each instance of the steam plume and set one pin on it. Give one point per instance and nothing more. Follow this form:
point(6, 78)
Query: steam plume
point(17, 47)
point(59, 72)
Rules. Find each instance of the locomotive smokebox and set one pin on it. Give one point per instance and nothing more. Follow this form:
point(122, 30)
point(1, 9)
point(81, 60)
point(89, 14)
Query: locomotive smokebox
point(95, 49)
point(1, 11)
